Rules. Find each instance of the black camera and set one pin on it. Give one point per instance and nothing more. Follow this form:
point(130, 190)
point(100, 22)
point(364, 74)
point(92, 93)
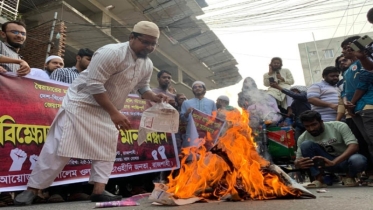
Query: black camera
point(363, 44)
point(319, 163)
point(271, 80)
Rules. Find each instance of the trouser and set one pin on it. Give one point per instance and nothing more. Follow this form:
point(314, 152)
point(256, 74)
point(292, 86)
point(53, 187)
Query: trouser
point(363, 145)
point(49, 164)
point(364, 122)
point(356, 163)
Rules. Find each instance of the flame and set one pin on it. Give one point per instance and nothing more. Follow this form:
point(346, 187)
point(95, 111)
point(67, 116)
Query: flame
point(233, 168)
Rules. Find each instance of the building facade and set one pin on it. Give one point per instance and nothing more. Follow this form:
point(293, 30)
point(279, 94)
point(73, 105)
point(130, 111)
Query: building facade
point(8, 10)
point(316, 56)
point(187, 47)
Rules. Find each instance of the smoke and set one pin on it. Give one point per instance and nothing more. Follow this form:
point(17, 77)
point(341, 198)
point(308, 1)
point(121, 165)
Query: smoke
point(261, 106)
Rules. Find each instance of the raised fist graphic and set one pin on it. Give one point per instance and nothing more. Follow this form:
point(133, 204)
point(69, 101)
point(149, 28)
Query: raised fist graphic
point(18, 156)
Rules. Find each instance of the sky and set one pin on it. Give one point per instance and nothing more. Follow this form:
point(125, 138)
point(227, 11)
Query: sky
point(274, 28)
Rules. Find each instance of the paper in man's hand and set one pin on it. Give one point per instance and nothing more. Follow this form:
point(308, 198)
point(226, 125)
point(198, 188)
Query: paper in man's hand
point(161, 117)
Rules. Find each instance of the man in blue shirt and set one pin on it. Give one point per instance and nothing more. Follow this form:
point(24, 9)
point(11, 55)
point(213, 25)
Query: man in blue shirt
point(200, 103)
point(357, 97)
point(350, 75)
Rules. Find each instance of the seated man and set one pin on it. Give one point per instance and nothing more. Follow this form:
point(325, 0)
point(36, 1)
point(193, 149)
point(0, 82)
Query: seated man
point(283, 78)
point(332, 144)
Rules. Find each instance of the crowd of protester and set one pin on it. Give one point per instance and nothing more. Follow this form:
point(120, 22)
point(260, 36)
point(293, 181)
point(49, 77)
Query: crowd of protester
point(340, 126)
point(332, 118)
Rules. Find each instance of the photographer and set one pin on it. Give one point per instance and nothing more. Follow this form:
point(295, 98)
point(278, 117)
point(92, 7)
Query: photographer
point(330, 146)
point(365, 55)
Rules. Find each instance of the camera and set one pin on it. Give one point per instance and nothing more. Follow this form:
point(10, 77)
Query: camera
point(271, 79)
point(318, 163)
point(363, 44)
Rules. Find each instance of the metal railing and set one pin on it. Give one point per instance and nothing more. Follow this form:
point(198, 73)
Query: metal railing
point(9, 9)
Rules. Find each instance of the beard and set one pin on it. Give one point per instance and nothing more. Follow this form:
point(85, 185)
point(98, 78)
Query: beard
point(14, 44)
point(199, 94)
point(142, 54)
point(49, 70)
point(318, 132)
point(332, 82)
point(164, 86)
point(275, 69)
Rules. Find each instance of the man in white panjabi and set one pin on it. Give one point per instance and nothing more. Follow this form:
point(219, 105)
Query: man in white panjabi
point(88, 123)
point(283, 78)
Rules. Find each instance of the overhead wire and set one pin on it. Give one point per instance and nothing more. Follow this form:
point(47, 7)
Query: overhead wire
point(289, 17)
point(352, 25)
point(335, 31)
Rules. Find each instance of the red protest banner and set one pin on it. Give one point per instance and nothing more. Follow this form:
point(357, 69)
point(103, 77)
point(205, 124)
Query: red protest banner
point(28, 107)
point(203, 126)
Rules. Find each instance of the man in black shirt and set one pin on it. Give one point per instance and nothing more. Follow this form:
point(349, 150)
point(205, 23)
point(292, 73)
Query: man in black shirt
point(299, 105)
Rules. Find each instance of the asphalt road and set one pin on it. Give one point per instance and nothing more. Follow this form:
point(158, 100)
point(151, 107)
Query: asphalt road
point(337, 198)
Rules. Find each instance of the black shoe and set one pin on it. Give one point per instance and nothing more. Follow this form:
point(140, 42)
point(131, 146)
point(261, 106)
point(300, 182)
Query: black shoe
point(25, 198)
point(105, 196)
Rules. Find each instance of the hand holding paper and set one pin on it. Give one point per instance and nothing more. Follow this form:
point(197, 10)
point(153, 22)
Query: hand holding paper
point(161, 117)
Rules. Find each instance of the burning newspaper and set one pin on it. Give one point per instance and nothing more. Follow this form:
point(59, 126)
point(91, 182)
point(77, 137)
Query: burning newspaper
point(231, 170)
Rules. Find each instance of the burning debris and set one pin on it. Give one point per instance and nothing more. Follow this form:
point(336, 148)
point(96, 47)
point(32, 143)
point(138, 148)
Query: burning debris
point(232, 170)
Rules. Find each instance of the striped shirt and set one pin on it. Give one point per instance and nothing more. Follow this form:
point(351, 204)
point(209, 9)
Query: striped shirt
point(9, 51)
point(66, 75)
point(89, 132)
point(325, 92)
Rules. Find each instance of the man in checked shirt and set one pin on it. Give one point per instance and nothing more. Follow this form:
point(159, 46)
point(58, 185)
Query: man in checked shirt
point(14, 35)
point(68, 75)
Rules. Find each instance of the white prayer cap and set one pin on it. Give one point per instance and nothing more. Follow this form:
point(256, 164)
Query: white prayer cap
point(198, 82)
point(52, 57)
point(147, 28)
point(224, 98)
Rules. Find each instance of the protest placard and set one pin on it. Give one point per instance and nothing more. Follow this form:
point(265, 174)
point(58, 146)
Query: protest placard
point(28, 107)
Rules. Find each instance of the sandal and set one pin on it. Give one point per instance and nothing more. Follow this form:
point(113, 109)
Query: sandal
point(349, 182)
point(369, 181)
point(3, 204)
point(316, 184)
point(79, 197)
point(105, 196)
point(6, 199)
point(56, 198)
point(39, 200)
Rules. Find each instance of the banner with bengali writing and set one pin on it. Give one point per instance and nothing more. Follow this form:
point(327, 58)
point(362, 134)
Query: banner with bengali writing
point(204, 126)
point(27, 109)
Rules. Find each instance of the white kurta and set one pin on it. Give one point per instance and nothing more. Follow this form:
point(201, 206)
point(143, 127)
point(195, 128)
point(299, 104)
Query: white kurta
point(88, 132)
point(277, 94)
